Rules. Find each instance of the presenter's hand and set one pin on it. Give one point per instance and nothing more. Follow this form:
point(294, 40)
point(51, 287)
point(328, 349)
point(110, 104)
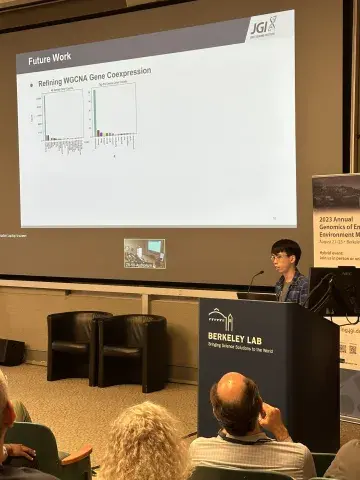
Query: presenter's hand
point(270, 419)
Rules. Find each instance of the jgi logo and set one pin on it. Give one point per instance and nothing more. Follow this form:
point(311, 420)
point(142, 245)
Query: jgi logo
point(265, 28)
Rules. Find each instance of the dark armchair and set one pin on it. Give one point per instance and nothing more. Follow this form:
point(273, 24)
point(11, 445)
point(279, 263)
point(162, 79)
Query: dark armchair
point(72, 345)
point(133, 349)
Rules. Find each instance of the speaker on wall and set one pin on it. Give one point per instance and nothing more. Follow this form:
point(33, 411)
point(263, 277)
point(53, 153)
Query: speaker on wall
point(12, 352)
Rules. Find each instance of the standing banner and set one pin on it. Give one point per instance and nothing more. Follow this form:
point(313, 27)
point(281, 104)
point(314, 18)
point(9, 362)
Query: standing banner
point(336, 219)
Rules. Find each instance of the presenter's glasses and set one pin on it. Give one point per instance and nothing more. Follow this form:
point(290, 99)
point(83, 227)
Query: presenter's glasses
point(279, 256)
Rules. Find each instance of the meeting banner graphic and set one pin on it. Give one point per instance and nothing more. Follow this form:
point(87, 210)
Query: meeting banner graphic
point(336, 225)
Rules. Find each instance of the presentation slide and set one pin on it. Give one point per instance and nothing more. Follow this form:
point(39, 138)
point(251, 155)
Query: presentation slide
point(192, 127)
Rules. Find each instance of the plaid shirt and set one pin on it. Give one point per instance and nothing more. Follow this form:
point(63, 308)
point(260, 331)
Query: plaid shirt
point(298, 289)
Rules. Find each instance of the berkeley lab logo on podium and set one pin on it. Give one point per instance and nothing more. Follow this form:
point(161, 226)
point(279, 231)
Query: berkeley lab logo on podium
point(217, 316)
point(227, 335)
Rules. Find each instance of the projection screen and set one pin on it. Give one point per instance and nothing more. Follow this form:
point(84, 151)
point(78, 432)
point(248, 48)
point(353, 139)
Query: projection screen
point(168, 145)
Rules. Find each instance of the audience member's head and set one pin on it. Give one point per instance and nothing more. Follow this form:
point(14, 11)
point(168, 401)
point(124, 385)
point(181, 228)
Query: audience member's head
point(145, 444)
point(236, 404)
point(7, 414)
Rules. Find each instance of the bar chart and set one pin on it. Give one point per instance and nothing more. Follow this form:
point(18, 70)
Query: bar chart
point(114, 114)
point(63, 115)
point(107, 118)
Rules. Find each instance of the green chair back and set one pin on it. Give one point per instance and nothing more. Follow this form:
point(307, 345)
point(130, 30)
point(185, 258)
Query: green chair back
point(212, 473)
point(322, 462)
point(42, 440)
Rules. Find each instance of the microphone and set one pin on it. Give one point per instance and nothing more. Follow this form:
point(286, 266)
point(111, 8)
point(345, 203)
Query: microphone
point(253, 278)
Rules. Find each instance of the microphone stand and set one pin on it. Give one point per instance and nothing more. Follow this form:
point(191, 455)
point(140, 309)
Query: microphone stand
point(253, 278)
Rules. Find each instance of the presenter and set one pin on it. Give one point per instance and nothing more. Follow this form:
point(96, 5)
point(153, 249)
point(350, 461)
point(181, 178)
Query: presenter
point(292, 286)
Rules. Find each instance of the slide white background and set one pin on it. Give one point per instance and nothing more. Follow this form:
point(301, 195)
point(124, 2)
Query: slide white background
point(215, 145)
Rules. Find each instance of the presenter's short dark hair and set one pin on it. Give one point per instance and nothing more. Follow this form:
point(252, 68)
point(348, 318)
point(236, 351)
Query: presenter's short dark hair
point(289, 247)
point(240, 416)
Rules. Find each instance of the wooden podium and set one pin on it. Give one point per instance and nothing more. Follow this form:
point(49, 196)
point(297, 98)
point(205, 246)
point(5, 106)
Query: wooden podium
point(290, 352)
